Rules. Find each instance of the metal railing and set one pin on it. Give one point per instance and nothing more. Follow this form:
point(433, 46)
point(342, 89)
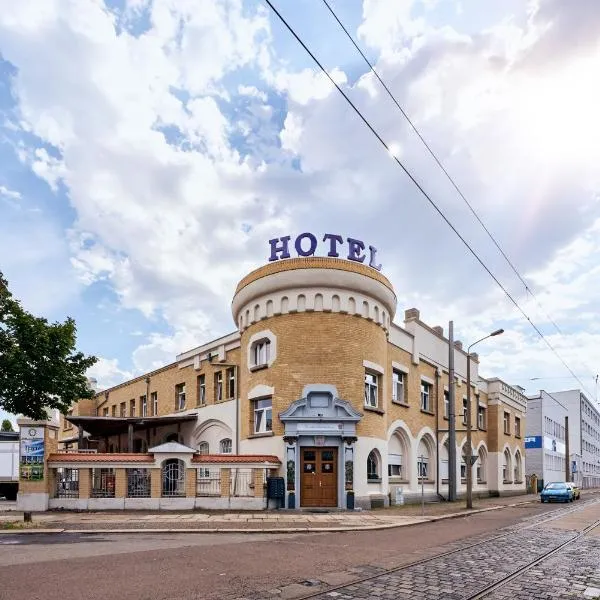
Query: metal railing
point(208, 482)
point(138, 483)
point(242, 482)
point(67, 483)
point(103, 483)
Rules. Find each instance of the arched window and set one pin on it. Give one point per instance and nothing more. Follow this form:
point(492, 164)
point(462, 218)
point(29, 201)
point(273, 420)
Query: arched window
point(203, 448)
point(518, 467)
point(482, 465)
point(373, 472)
point(506, 467)
point(225, 446)
point(173, 478)
point(424, 463)
point(399, 455)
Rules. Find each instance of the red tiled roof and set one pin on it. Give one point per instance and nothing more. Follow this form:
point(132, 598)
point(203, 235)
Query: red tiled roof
point(235, 458)
point(85, 457)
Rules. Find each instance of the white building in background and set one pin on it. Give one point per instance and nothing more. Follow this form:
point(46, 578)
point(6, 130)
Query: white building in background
point(545, 439)
point(584, 437)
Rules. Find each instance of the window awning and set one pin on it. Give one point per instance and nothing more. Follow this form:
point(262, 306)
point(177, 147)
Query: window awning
point(107, 426)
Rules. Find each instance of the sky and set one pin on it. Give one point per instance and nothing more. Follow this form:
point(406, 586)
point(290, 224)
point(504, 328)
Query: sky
point(149, 149)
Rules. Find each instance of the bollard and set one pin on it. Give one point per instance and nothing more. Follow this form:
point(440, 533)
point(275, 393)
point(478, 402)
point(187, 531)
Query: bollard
point(27, 517)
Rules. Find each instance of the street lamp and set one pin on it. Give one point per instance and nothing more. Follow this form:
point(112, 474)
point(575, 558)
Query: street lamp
point(469, 458)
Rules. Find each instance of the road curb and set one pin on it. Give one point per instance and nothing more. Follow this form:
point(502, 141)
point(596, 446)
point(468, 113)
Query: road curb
point(340, 529)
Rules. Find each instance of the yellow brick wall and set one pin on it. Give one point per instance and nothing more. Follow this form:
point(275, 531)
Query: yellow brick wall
point(120, 483)
point(190, 482)
point(317, 347)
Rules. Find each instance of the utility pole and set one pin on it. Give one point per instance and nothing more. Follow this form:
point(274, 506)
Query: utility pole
point(451, 418)
point(567, 451)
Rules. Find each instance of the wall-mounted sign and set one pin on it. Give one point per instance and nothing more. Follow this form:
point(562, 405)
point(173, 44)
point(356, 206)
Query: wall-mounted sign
point(306, 245)
point(534, 441)
point(31, 461)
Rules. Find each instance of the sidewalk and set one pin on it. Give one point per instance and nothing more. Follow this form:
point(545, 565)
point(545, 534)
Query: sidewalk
point(274, 521)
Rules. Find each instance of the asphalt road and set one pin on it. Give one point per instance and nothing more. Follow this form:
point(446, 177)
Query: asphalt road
point(220, 566)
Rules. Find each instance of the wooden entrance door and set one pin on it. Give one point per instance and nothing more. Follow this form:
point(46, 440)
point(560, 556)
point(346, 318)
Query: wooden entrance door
point(318, 476)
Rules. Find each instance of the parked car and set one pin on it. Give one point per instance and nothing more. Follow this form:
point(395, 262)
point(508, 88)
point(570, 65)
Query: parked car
point(576, 490)
point(557, 491)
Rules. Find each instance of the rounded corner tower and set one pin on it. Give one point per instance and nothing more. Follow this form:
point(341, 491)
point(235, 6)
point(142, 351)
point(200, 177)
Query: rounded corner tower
point(311, 330)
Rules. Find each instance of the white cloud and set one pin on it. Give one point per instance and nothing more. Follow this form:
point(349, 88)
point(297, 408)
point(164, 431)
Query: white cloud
point(176, 189)
point(10, 194)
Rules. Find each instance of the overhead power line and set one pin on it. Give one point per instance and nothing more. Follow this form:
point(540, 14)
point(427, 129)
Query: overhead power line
point(419, 187)
point(439, 162)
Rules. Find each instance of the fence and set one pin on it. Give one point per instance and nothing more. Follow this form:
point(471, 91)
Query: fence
point(67, 483)
point(208, 482)
point(139, 483)
point(103, 483)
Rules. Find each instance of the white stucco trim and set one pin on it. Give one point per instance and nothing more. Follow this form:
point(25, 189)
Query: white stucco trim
point(399, 424)
point(400, 367)
point(427, 379)
point(367, 364)
point(260, 391)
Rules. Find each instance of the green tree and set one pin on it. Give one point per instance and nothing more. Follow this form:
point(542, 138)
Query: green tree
point(6, 425)
point(40, 368)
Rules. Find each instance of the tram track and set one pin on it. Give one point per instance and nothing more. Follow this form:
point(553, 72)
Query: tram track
point(487, 591)
point(490, 588)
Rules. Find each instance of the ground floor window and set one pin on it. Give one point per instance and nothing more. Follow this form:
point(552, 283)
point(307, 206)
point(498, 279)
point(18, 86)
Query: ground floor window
point(373, 466)
point(423, 467)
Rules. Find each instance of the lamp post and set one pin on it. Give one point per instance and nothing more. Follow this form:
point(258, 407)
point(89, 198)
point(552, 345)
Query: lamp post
point(468, 458)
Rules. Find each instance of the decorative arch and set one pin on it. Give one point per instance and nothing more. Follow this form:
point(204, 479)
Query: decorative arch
point(482, 463)
point(518, 467)
point(209, 434)
point(426, 455)
point(400, 457)
point(506, 466)
point(173, 478)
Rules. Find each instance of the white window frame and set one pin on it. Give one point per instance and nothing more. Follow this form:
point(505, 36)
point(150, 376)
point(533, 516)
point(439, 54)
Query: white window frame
point(231, 382)
point(263, 411)
point(426, 389)
point(218, 386)
point(180, 392)
point(154, 402)
point(371, 389)
point(481, 417)
point(395, 463)
point(398, 386)
point(144, 406)
point(373, 458)
point(447, 404)
point(203, 448)
point(506, 422)
point(261, 337)
point(261, 353)
point(201, 389)
point(226, 446)
point(422, 467)
point(464, 411)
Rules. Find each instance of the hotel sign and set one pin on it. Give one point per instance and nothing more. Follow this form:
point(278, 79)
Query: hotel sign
point(306, 244)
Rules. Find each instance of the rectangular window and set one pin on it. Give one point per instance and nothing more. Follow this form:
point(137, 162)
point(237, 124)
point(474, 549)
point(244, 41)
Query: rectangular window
point(446, 404)
point(464, 411)
point(395, 465)
point(261, 353)
point(263, 420)
point(507, 423)
point(230, 376)
point(517, 427)
point(154, 400)
point(132, 408)
point(113, 410)
point(144, 405)
point(218, 386)
point(398, 394)
point(481, 417)
point(180, 396)
point(422, 467)
point(105, 412)
point(463, 470)
point(122, 409)
point(201, 390)
point(371, 389)
point(425, 396)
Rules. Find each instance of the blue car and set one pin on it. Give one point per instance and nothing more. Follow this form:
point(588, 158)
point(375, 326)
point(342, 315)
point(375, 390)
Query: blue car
point(559, 492)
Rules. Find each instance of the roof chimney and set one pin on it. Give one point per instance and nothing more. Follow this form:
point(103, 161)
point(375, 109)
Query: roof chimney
point(439, 330)
point(458, 345)
point(412, 314)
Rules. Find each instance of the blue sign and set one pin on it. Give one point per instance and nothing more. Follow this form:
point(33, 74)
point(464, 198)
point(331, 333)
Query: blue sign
point(533, 441)
point(306, 245)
